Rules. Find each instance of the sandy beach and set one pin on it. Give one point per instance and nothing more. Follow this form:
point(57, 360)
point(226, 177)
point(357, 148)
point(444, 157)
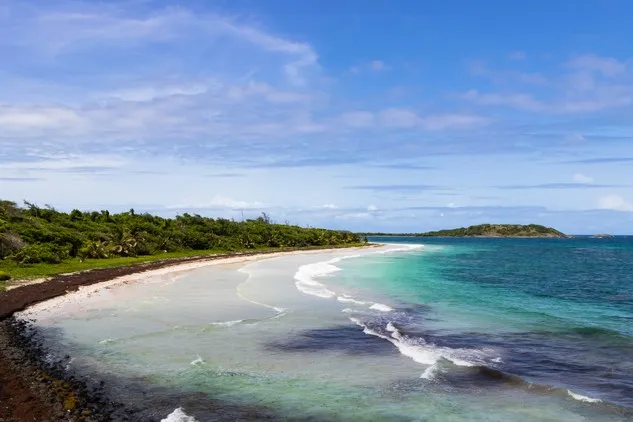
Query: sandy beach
point(29, 385)
point(49, 307)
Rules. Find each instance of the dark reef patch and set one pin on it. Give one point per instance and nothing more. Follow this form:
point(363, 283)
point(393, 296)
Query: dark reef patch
point(346, 339)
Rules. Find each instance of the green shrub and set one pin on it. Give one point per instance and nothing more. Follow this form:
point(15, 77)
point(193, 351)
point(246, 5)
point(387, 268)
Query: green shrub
point(48, 253)
point(4, 276)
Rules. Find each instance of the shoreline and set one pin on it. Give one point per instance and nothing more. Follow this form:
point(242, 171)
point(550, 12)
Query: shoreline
point(33, 389)
point(83, 291)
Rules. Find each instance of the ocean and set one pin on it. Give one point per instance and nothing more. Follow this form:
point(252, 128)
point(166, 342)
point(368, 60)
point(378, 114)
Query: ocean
point(421, 329)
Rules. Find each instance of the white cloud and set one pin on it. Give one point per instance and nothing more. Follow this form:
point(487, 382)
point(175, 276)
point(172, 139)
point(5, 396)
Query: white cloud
point(330, 206)
point(607, 66)
point(26, 118)
point(372, 208)
point(67, 162)
point(357, 119)
point(505, 77)
point(529, 103)
point(405, 118)
point(521, 101)
point(148, 93)
point(219, 202)
point(581, 178)
point(84, 24)
point(614, 202)
point(304, 55)
point(448, 121)
point(353, 216)
point(264, 91)
point(591, 83)
point(399, 118)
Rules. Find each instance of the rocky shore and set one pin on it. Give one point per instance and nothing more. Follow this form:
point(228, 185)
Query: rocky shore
point(34, 388)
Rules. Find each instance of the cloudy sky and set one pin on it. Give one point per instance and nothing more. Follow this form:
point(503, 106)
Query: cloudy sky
point(394, 116)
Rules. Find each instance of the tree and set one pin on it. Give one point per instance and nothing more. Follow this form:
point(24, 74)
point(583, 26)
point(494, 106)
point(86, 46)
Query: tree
point(75, 215)
point(264, 218)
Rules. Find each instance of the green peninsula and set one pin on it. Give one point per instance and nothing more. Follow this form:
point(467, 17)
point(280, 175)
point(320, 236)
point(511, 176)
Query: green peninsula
point(500, 230)
point(488, 230)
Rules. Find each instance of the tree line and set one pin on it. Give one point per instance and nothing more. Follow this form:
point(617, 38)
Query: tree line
point(32, 234)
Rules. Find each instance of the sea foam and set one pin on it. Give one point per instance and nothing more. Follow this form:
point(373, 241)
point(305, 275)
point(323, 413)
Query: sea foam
point(399, 248)
point(420, 351)
point(306, 283)
point(380, 307)
point(227, 323)
point(349, 299)
point(179, 415)
point(197, 361)
point(580, 397)
point(431, 372)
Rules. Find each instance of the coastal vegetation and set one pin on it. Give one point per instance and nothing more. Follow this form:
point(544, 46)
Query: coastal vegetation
point(487, 230)
point(40, 241)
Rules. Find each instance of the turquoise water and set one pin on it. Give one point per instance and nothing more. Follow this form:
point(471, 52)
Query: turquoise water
point(558, 311)
point(456, 330)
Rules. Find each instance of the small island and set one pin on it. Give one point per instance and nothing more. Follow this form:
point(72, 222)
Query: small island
point(489, 230)
point(499, 230)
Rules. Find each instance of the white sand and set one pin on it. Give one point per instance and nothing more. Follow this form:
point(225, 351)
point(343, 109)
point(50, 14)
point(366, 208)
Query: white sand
point(51, 306)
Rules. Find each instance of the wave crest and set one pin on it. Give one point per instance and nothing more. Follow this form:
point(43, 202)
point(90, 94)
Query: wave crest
point(580, 397)
point(419, 350)
point(179, 415)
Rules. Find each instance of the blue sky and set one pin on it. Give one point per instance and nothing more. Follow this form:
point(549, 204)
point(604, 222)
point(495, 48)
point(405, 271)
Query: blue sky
point(392, 116)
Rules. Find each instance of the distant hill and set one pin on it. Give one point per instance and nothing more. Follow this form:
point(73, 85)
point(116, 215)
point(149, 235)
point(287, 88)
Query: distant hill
point(490, 230)
point(499, 230)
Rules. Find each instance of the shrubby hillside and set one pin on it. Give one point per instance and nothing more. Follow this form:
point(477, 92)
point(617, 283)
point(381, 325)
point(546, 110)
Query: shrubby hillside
point(33, 234)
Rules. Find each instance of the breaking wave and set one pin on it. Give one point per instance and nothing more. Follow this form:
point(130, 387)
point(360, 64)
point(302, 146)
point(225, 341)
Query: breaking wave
point(179, 415)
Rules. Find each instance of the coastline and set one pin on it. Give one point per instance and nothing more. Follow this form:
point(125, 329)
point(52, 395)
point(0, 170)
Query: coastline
point(33, 389)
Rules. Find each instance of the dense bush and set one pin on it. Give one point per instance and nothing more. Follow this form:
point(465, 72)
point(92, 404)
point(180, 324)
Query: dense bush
point(32, 234)
point(4, 276)
point(48, 253)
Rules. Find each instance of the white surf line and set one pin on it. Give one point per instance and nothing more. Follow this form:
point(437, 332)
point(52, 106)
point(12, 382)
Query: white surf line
point(580, 397)
point(307, 275)
point(277, 309)
point(226, 323)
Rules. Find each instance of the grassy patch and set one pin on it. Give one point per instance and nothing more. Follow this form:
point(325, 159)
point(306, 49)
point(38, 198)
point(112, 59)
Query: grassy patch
point(25, 272)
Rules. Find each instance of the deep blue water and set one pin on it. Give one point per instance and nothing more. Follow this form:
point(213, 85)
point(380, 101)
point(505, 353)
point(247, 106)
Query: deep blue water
point(559, 312)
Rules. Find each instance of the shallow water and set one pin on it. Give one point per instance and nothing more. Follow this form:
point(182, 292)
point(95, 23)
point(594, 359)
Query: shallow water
point(481, 329)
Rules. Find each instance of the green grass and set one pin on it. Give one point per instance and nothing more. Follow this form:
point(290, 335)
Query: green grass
point(25, 272)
